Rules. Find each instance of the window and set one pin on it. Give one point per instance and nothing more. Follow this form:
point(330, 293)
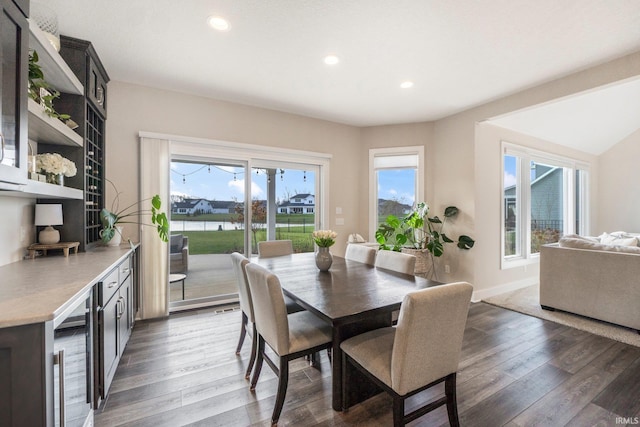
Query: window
point(544, 198)
point(396, 177)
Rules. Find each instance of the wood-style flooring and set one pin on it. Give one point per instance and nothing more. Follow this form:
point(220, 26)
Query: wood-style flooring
point(515, 370)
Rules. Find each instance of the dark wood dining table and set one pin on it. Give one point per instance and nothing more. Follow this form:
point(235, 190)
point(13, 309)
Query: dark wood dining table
point(352, 297)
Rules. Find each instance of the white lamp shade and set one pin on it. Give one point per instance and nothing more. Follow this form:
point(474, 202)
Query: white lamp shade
point(50, 214)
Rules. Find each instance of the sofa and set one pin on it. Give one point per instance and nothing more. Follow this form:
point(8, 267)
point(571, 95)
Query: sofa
point(178, 254)
point(592, 277)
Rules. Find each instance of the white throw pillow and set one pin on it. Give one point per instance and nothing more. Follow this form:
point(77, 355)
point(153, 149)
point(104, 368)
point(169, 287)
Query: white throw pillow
point(618, 239)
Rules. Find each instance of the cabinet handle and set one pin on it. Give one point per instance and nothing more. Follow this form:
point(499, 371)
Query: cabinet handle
point(58, 359)
point(112, 284)
point(120, 307)
point(2, 150)
point(100, 96)
point(125, 270)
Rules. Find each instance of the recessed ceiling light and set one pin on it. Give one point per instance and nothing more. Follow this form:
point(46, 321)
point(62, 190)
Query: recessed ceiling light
point(218, 23)
point(406, 85)
point(331, 59)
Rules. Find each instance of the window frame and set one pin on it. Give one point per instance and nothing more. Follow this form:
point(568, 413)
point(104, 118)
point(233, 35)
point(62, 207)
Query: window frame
point(390, 152)
point(524, 156)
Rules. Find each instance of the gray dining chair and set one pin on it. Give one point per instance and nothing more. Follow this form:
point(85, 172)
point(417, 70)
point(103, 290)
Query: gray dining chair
point(289, 336)
point(273, 248)
point(360, 253)
point(396, 261)
point(421, 351)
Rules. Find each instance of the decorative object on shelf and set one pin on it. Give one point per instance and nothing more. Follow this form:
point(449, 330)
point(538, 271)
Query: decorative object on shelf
point(48, 215)
point(55, 167)
point(324, 239)
point(40, 91)
point(420, 235)
point(47, 21)
point(112, 218)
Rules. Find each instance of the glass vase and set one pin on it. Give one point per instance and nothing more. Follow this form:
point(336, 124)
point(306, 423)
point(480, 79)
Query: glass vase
point(324, 259)
point(55, 178)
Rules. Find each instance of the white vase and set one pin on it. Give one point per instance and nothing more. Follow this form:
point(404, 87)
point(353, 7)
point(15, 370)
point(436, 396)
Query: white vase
point(324, 259)
point(117, 237)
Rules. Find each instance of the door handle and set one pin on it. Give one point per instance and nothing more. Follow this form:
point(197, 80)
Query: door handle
point(58, 359)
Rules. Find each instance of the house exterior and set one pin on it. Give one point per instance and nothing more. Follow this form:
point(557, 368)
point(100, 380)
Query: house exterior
point(298, 204)
point(192, 207)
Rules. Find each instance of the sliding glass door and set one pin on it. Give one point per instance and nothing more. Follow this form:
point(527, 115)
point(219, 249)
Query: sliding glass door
point(207, 225)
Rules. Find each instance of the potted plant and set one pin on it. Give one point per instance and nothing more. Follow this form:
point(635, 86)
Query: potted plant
point(40, 91)
point(111, 232)
point(420, 234)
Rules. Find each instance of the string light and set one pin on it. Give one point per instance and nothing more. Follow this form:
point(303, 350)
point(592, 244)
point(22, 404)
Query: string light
point(304, 176)
point(185, 175)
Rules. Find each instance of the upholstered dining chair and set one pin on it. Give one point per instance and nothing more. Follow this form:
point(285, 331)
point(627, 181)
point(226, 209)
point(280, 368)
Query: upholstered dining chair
point(289, 336)
point(356, 252)
point(396, 261)
point(421, 351)
point(239, 262)
point(273, 248)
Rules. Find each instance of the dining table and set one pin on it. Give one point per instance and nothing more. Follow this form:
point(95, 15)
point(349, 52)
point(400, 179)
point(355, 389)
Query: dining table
point(353, 297)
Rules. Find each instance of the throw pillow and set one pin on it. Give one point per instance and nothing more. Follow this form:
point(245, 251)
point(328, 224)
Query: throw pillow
point(618, 239)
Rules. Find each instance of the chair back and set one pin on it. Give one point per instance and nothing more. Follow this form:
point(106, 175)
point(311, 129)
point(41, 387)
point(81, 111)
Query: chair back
point(356, 252)
point(396, 261)
point(429, 334)
point(269, 307)
point(239, 262)
point(273, 248)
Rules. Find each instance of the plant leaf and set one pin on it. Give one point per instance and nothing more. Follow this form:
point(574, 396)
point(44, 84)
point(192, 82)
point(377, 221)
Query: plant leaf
point(465, 242)
point(450, 211)
point(446, 239)
point(435, 220)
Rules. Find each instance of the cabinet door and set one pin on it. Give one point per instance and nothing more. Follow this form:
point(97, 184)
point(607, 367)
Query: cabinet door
point(123, 321)
point(110, 337)
point(14, 42)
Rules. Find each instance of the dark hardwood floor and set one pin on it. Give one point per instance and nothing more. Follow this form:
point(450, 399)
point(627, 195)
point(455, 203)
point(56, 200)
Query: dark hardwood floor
point(515, 370)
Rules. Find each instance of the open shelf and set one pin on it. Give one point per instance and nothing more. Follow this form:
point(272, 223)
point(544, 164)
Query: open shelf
point(49, 130)
point(56, 72)
point(37, 189)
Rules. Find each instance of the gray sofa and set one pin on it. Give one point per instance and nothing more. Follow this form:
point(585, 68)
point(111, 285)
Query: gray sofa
point(592, 279)
point(178, 254)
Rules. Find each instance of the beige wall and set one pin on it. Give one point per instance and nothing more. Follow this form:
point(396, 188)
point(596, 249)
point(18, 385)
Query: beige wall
point(619, 197)
point(135, 108)
point(16, 228)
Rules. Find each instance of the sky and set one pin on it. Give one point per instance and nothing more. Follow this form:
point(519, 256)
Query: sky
point(226, 183)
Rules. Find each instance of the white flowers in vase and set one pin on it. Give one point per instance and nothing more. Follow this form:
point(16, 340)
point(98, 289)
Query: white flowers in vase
point(54, 163)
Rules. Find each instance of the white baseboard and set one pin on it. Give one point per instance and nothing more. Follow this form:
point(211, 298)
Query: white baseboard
point(501, 289)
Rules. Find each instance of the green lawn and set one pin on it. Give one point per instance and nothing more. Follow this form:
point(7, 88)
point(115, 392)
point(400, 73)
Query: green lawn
point(280, 218)
point(223, 242)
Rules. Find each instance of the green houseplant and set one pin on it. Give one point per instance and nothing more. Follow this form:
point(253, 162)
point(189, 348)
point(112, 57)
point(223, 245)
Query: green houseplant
point(420, 232)
point(112, 218)
point(40, 91)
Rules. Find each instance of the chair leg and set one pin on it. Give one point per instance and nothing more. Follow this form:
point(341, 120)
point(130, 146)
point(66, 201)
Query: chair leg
point(398, 411)
point(254, 346)
point(243, 332)
point(452, 405)
point(283, 381)
point(329, 354)
point(259, 361)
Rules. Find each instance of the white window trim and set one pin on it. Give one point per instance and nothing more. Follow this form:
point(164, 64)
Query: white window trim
point(417, 150)
point(523, 195)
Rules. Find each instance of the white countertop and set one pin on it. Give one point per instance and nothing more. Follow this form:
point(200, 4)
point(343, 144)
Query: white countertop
point(37, 290)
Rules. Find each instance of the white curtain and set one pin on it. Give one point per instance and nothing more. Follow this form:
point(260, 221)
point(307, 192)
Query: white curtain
point(155, 164)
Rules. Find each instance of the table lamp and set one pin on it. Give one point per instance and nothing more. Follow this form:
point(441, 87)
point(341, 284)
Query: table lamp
point(48, 215)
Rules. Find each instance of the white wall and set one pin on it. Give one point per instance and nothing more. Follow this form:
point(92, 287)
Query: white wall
point(619, 198)
point(16, 228)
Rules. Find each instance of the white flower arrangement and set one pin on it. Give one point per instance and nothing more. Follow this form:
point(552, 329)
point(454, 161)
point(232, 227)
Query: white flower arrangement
point(56, 164)
point(324, 238)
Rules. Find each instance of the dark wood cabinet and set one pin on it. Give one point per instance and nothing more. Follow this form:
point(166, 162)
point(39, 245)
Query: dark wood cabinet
point(14, 57)
point(90, 112)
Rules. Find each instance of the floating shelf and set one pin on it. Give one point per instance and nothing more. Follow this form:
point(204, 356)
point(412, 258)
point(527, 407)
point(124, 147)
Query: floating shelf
point(56, 72)
point(37, 189)
point(49, 130)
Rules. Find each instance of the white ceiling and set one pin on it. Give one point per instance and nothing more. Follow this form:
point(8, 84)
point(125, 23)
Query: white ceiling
point(458, 53)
